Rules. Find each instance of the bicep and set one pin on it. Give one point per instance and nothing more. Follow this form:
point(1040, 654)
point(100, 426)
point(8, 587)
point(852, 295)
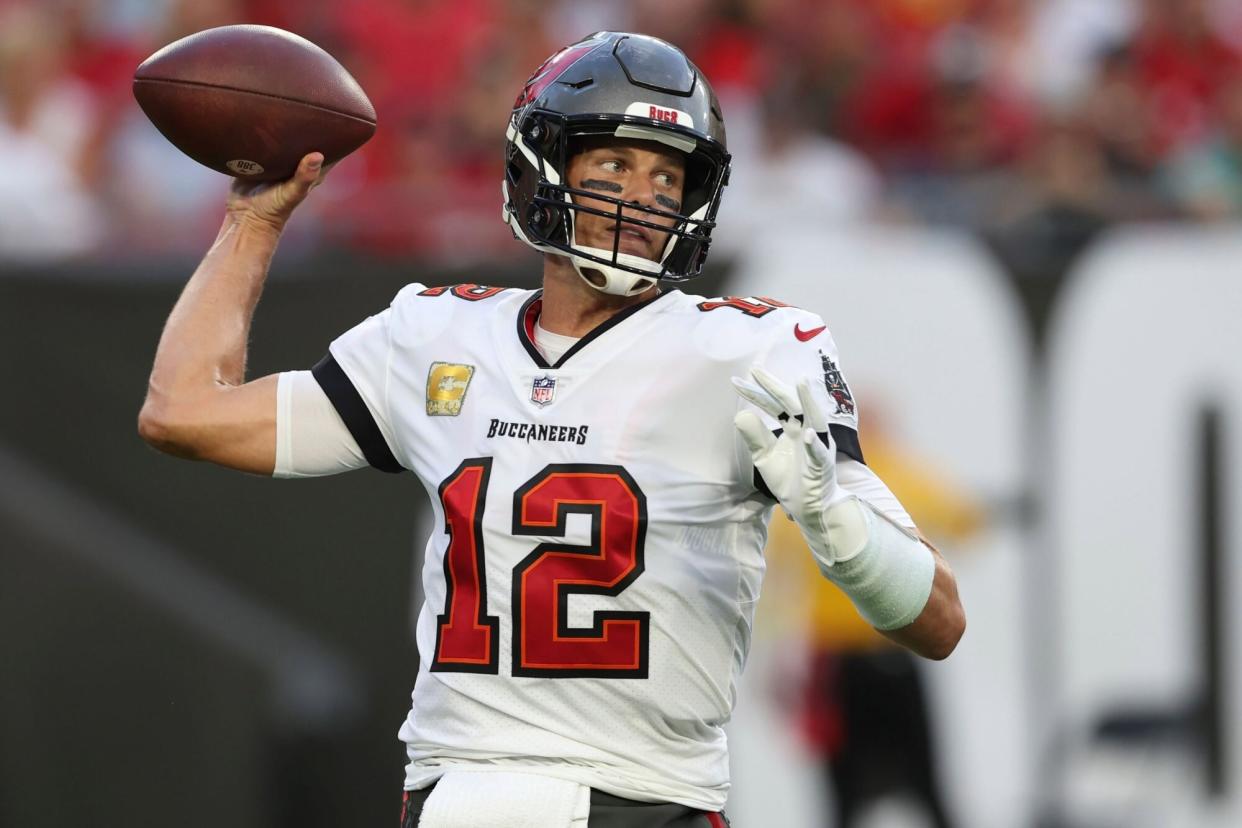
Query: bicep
point(230, 425)
point(281, 425)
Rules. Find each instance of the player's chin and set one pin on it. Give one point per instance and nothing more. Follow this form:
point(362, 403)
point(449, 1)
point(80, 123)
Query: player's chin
point(628, 244)
point(641, 248)
point(647, 246)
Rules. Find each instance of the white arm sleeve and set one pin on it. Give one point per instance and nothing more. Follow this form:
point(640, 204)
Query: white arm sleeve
point(862, 482)
point(876, 557)
point(311, 437)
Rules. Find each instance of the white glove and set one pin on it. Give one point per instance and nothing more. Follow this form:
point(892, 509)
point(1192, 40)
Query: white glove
point(799, 466)
point(886, 571)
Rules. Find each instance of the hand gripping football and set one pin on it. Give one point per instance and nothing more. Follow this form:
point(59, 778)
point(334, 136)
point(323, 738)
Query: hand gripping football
point(250, 101)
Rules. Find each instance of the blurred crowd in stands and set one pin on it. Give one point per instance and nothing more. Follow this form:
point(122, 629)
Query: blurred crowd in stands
point(1031, 122)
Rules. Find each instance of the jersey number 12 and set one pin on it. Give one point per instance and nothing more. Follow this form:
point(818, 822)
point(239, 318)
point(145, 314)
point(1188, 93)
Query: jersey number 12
point(543, 644)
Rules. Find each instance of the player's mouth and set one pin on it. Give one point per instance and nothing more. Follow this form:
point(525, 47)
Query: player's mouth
point(634, 240)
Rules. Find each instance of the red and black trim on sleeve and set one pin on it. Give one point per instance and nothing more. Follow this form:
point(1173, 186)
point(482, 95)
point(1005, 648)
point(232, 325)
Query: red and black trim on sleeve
point(847, 442)
point(353, 410)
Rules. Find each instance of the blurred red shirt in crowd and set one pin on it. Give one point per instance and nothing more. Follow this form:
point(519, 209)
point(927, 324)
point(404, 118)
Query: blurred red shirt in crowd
point(1182, 63)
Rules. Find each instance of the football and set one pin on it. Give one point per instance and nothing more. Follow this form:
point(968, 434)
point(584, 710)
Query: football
point(250, 101)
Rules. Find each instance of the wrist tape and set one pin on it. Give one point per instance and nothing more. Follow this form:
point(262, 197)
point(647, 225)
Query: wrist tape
point(885, 570)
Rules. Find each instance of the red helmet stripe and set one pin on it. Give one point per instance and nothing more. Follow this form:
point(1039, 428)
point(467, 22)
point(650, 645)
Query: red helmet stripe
point(551, 70)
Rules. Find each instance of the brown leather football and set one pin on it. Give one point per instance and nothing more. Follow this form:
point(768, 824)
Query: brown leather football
point(250, 101)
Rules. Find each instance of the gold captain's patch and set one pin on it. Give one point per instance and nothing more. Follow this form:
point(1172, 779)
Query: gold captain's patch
point(446, 388)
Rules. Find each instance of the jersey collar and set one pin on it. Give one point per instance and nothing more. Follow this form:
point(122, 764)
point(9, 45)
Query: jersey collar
point(530, 312)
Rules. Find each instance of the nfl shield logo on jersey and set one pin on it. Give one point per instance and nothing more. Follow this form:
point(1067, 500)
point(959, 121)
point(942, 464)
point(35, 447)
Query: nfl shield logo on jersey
point(543, 390)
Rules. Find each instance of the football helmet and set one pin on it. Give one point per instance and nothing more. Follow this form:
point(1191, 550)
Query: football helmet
point(628, 86)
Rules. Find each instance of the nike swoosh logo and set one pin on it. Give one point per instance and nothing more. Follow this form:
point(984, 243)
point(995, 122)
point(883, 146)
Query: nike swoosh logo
point(807, 336)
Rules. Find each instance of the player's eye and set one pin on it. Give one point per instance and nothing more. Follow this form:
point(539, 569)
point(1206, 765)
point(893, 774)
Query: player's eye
point(613, 165)
point(666, 180)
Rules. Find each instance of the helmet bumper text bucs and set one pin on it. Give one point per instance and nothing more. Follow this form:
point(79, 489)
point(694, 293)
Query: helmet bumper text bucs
point(631, 87)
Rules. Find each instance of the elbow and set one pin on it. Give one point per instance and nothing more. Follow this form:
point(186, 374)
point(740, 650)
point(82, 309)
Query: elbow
point(950, 633)
point(945, 613)
point(158, 427)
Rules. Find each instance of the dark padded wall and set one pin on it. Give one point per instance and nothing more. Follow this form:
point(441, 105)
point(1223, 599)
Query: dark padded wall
point(115, 713)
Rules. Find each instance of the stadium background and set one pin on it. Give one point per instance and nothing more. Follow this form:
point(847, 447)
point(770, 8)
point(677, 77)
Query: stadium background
point(1018, 217)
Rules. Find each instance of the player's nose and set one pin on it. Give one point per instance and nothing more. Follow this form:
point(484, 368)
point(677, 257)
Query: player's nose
point(640, 190)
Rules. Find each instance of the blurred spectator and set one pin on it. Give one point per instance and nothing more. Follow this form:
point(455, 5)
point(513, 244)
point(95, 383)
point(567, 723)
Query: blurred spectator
point(570, 20)
point(161, 201)
point(718, 37)
point(792, 177)
point(863, 707)
point(1183, 63)
point(46, 123)
point(972, 113)
point(443, 76)
point(412, 56)
point(948, 137)
point(1062, 199)
point(1115, 108)
point(1067, 36)
point(1206, 180)
point(829, 48)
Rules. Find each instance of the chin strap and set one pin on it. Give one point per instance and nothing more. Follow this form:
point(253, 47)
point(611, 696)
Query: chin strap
point(617, 282)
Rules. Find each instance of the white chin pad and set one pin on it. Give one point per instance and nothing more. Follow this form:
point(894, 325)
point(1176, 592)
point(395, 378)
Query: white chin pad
point(617, 282)
point(627, 259)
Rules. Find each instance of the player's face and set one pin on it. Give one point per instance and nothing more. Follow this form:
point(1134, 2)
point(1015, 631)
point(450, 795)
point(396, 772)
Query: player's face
point(642, 172)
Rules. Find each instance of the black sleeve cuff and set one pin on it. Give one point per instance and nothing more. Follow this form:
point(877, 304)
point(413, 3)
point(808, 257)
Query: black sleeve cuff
point(349, 404)
point(847, 442)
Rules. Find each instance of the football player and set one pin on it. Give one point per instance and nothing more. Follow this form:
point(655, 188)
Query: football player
point(602, 456)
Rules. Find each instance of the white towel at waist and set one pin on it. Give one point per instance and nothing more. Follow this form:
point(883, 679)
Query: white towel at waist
point(503, 799)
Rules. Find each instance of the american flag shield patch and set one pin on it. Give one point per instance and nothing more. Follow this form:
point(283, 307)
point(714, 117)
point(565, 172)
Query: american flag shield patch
point(543, 390)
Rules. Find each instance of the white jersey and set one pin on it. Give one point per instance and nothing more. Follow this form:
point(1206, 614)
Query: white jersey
point(596, 555)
